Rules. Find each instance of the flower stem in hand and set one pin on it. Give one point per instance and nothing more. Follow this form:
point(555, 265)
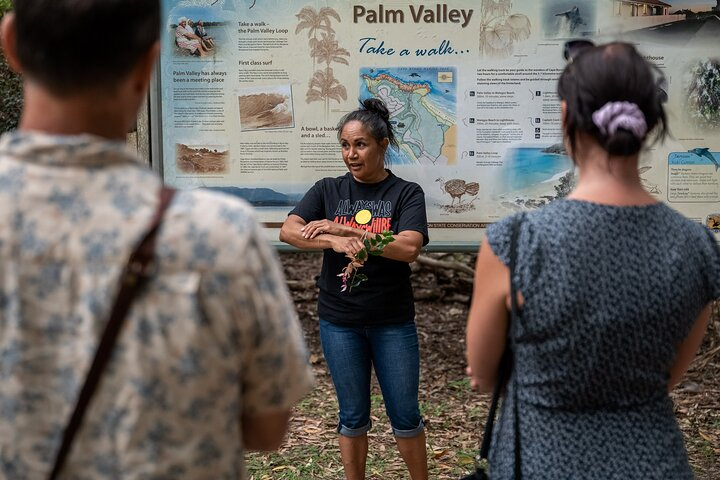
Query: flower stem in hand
point(372, 246)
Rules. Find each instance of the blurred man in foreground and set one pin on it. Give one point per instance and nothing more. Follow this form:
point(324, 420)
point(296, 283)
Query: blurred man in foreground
point(211, 357)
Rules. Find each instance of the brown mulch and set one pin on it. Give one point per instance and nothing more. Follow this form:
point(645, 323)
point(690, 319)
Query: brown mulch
point(452, 411)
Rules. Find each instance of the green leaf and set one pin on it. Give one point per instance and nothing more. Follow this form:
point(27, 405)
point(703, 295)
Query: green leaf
point(5, 6)
point(357, 280)
point(372, 246)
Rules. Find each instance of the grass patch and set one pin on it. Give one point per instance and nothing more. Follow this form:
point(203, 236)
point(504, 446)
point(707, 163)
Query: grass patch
point(301, 462)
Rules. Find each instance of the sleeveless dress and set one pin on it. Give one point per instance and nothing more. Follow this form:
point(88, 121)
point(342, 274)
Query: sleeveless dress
point(609, 292)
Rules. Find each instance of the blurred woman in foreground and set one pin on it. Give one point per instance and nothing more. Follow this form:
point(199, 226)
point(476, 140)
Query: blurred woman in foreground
point(614, 287)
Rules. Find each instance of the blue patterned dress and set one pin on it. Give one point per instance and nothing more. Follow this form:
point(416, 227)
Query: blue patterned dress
point(213, 337)
point(609, 292)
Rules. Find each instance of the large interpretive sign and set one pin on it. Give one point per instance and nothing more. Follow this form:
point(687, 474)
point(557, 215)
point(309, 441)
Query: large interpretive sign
point(249, 103)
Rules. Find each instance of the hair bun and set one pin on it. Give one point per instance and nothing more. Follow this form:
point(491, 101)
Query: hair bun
point(376, 106)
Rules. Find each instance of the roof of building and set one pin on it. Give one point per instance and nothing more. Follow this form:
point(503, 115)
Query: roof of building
point(652, 2)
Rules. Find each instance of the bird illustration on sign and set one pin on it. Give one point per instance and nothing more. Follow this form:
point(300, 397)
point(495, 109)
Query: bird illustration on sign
point(457, 188)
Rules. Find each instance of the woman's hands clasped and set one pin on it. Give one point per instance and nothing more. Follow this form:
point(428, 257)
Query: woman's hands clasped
point(316, 227)
point(349, 245)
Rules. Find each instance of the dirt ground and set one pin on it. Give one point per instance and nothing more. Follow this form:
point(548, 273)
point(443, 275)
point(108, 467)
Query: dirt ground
point(452, 411)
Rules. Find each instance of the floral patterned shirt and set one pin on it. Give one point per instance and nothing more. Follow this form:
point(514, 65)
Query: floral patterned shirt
point(214, 336)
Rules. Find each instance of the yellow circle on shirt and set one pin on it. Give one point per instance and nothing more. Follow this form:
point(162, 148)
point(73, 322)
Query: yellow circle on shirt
point(363, 217)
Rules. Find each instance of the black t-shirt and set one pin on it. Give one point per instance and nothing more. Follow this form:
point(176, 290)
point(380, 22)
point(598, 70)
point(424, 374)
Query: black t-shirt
point(393, 204)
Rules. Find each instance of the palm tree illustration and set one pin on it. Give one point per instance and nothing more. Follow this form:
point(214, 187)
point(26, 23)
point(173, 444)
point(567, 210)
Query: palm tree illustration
point(328, 51)
point(314, 21)
point(499, 29)
point(324, 49)
point(325, 87)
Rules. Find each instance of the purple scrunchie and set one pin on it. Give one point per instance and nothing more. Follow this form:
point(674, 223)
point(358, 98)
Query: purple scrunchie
point(627, 115)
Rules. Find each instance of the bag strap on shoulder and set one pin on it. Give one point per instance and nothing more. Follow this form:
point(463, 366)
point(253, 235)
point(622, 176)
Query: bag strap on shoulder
point(136, 273)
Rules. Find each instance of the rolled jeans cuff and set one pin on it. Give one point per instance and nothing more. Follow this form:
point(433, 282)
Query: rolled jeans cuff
point(353, 432)
point(410, 433)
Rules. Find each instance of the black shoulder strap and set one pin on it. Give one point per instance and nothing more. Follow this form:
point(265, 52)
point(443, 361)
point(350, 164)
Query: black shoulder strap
point(136, 273)
point(515, 318)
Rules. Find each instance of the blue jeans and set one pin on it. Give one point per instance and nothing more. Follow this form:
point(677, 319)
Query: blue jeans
point(393, 351)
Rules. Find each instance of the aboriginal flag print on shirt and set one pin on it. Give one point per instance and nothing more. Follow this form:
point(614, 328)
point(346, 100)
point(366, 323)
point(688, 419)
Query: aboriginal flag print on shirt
point(373, 216)
point(392, 204)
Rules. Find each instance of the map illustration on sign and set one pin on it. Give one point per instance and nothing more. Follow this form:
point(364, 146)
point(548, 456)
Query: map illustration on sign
point(422, 105)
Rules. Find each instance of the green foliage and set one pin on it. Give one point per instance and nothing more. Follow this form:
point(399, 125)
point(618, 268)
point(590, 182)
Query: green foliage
point(5, 6)
point(373, 246)
point(10, 96)
point(10, 86)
